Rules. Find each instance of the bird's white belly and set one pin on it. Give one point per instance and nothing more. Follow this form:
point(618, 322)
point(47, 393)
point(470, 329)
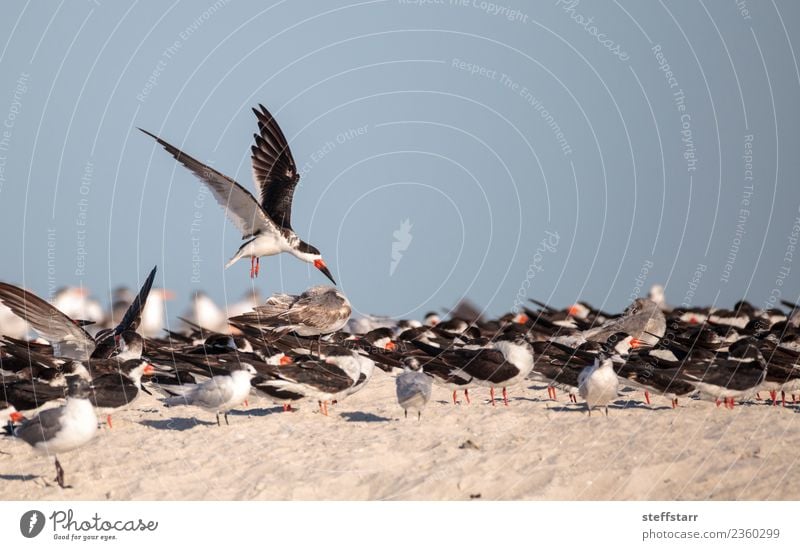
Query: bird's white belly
point(79, 426)
point(266, 245)
point(600, 388)
point(241, 391)
point(414, 402)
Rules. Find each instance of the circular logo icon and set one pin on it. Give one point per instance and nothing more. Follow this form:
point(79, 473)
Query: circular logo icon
point(31, 523)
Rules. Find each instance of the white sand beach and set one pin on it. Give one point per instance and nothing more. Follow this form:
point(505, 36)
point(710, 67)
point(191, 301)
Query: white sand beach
point(366, 450)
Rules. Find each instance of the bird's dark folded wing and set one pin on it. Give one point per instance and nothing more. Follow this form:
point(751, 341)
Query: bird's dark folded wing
point(274, 170)
point(43, 427)
point(317, 374)
point(49, 322)
point(485, 364)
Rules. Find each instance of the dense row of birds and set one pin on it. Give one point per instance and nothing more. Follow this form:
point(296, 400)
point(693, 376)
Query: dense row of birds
point(295, 349)
point(66, 363)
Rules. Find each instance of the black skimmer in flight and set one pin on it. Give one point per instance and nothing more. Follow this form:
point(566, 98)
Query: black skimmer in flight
point(218, 394)
point(413, 387)
point(60, 430)
point(266, 224)
point(319, 310)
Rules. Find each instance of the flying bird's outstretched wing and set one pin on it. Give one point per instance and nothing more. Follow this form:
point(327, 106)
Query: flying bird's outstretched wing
point(52, 324)
point(240, 206)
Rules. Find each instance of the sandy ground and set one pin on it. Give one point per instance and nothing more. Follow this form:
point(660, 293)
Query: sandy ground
point(533, 449)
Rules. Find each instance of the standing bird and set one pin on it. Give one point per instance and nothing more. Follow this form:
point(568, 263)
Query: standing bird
point(63, 429)
point(112, 391)
point(266, 224)
point(413, 387)
point(598, 384)
point(218, 394)
point(503, 362)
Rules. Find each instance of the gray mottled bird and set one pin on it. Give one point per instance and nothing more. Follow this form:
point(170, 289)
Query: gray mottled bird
point(413, 387)
point(319, 310)
point(643, 320)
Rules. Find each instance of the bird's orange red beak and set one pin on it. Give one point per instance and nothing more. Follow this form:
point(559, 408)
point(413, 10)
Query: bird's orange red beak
point(320, 264)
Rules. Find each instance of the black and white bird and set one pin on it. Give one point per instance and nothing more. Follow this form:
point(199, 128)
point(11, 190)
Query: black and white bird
point(341, 373)
point(735, 375)
point(64, 429)
point(113, 391)
point(319, 310)
point(218, 394)
point(265, 223)
point(500, 364)
point(413, 387)
point(67, 335)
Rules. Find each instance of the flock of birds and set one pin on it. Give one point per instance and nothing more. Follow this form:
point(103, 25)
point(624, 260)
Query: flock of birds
point(295, 348)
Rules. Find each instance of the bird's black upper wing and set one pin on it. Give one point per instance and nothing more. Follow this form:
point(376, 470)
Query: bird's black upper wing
point(274, 170)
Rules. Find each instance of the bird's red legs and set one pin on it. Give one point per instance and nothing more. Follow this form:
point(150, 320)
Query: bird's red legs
point(252, 267)
point(505, 397)
point(466, 396)
point(454, 397)
point(491, 393)
point(108, 421)
point(647, 397)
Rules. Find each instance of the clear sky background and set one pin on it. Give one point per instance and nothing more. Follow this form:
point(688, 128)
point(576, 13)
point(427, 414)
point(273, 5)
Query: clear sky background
point(658, 142)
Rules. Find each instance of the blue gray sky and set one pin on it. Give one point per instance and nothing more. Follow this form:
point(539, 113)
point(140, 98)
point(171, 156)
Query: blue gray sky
point(490, 150)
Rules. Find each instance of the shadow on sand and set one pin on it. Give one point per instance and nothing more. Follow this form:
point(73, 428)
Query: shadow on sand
point(358, 416)
point(176, 424)
point(18, 477)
